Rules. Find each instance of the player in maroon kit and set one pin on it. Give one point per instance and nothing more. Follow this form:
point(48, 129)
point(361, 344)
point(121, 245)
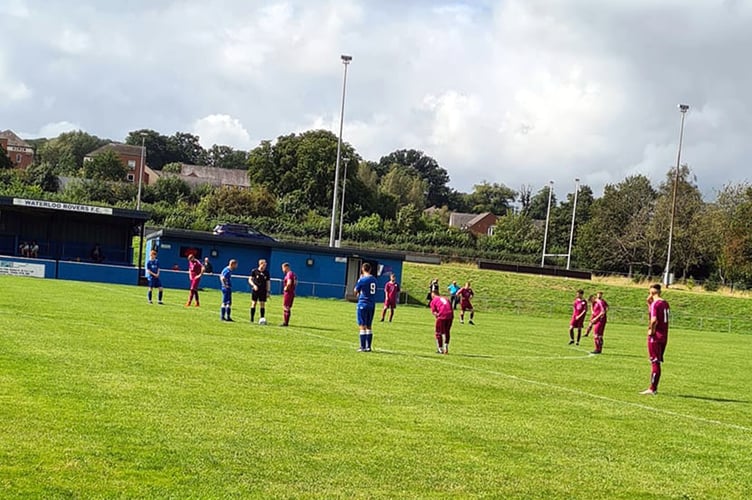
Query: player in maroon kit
point(579, 309)
point(288, 292)
point(466, 293)
point(657, 336)
point(597, 323)
point(441, 307)
point(195, 271)
point(391, 296)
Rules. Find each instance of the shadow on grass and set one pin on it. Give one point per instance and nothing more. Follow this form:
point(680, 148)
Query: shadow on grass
point(707, 398)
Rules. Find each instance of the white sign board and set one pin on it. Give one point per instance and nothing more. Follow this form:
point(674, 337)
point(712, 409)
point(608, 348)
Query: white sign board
point(13, 268)
point(58, 205)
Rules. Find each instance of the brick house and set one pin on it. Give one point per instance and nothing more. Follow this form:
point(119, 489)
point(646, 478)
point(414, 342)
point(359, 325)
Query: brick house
point(21, 154)
point(480, 224)
point(129, 155)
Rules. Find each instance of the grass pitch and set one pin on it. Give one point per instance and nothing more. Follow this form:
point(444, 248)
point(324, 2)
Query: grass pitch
point(103, 395)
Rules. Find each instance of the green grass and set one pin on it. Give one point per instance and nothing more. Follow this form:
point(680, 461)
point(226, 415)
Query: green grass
point(105, 396)
point(543, 296)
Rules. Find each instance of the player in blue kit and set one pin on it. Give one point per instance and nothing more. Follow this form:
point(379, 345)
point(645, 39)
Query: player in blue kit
point(365, 288)
point(152, 276)
point(225, 279)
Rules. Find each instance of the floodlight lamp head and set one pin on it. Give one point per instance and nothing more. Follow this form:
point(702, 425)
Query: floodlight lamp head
point(683, 107)
point(345, 58)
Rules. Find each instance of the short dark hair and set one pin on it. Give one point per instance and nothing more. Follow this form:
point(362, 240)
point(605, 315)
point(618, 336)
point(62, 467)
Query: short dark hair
point(656, 286)
point(367, 267)
point(581, 291)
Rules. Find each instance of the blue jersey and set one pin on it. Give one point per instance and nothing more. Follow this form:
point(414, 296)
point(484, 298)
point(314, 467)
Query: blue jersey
point(226, 277)
point(153, 266)
point(366, 290)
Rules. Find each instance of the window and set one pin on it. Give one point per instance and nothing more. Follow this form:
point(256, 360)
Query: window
point(131, 164)
point(18, 158)
point(130, 177)
point(491, 230)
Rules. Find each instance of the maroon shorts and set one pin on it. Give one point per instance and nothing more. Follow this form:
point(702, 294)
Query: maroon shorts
point(390, 304)
point(287, 300)
point(465, 305)
point(194, 283)
point(598, 328)
point(443, 326)
point(656, 347)
point(577, 323)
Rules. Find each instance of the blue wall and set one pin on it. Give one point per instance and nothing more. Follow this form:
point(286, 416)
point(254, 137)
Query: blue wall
point(323, 277)
point(101, 273)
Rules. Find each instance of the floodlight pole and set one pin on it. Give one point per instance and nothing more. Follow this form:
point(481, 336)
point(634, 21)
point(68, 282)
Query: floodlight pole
point(345, 61)
point(571, 230)
point(548, 215)
point(141, 170)
point(683, 108)
point(342, 205)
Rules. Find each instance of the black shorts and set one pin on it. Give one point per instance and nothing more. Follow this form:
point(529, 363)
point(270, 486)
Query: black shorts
point(258, 295)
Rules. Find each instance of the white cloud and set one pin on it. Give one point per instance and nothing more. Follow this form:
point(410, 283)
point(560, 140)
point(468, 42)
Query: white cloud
point(72, 41)
point(17, 8)
point(222, 130)
point(57, 128)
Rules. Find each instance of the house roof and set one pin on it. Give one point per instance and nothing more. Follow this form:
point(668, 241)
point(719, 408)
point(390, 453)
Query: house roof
point(13, 139)
point(118, 147)
point(198, 174)
point(463, 220)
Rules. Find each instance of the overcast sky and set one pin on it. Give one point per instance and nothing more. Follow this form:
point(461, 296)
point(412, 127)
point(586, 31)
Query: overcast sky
point(511, 91)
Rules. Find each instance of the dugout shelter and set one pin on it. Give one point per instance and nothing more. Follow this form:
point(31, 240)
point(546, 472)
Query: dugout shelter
point(66, 235)
point(322, 271)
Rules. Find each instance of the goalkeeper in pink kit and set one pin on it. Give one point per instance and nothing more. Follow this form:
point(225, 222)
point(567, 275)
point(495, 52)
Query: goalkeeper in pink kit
point(441, 307)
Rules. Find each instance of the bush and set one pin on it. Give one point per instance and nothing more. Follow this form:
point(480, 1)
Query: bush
point(712, 283)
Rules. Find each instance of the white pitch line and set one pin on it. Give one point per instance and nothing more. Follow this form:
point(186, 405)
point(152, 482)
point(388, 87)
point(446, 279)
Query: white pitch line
point(558, 387)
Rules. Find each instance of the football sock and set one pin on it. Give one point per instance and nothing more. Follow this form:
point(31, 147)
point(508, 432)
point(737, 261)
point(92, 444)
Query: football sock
point(195, 294)
point(286, 317)
point(655, 375)
point(383, 314)
point(439, 341)
point(253, 313)
point(159, 296)
point(228, 309)
point(579, 334)
point(391, 315)
point(148, 295)
point(263, 312)
point(571, 334)
point(472, 314)
point(362, 339)
point(222, 311)
point(369, 338)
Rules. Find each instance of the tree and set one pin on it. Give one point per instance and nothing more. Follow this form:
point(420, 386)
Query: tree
point(104, 166)
point(302, 163)
point(239, 202)
point(494, 198)
point(404, 185)
point(686, 241)
point(80, 144)
point(538, 206)
point(617, 237)
point(173, 168)
point(437, 191)
point(43, 175)
point(170, 189)
point(226, 157)
point(5, 161)
point(59, 156)
point(185, 148)
point(158, 151)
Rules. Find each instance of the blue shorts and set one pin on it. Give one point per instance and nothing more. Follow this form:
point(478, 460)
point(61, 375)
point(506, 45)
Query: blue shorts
point(227, 296)
point(365, 313)
point(154, 282)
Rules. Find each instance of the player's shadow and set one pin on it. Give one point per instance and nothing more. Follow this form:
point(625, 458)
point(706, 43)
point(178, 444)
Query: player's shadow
point(708, 398)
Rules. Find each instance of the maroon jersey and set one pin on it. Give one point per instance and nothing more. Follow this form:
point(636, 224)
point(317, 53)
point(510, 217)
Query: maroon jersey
point(659, 311)
point(194, 269)
point(290, 282)
point(391, 292)
point(441, 307)
point(597, 310)
point(465, 295)
point(579, 307)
